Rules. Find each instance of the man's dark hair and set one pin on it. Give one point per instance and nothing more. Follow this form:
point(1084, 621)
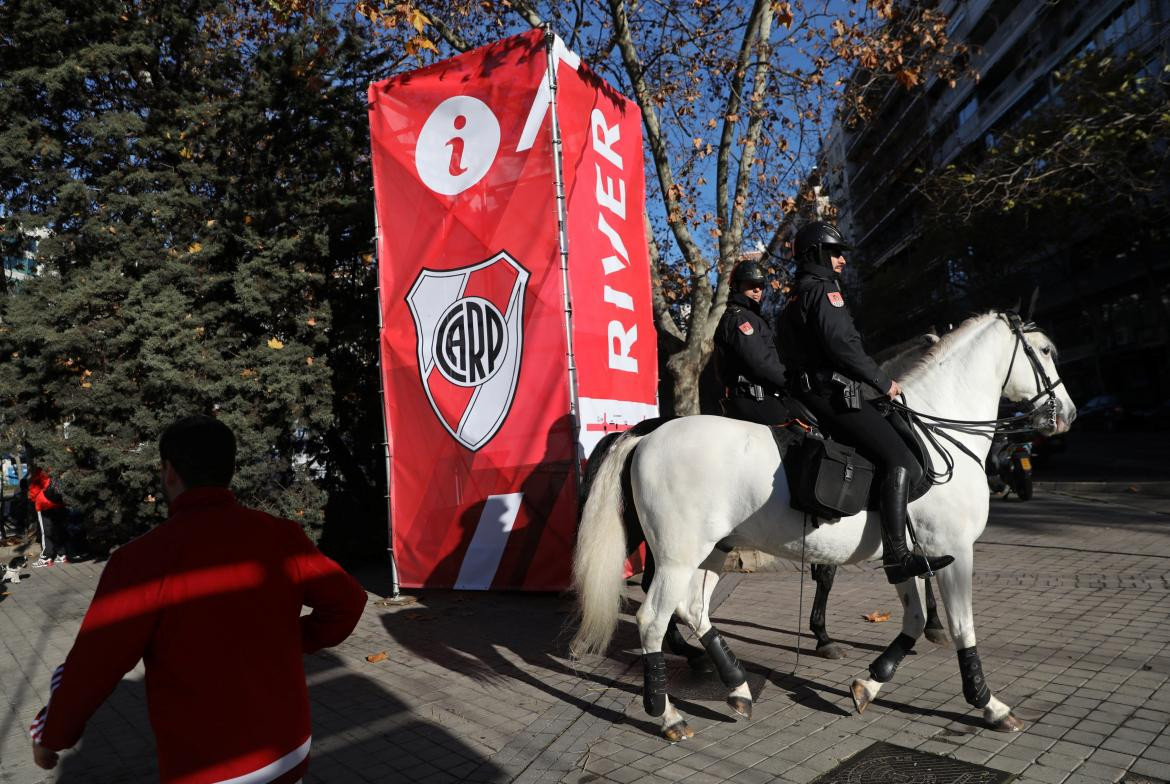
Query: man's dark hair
point(202, 449)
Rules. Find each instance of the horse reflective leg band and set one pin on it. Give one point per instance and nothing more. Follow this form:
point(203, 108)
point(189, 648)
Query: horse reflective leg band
point(730, 670)
point(884, 666)
point(975, 689)
point(654, 683)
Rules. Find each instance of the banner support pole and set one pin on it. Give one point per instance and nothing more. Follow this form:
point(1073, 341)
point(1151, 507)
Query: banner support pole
point(550, 40)
point(394, 586)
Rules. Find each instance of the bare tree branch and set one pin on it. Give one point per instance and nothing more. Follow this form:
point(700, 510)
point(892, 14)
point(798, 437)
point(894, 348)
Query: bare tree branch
point(701, 294)
point(662, 315)
point(453, 39)
point(731, 122)
point(527, 13)
point(757, 111)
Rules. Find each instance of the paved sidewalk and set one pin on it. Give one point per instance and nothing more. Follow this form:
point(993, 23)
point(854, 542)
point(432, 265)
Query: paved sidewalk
point(1072, 613)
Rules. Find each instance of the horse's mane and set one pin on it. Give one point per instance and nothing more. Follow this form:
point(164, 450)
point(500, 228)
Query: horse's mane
point(947, 342)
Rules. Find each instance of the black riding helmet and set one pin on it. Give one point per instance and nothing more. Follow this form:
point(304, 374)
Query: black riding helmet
point(814, 236)
point(747, 272)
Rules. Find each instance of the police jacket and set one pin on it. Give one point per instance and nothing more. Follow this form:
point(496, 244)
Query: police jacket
point(816, 332)
point(745, 346)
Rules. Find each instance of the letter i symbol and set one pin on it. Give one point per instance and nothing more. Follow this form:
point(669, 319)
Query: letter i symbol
point(455, 168)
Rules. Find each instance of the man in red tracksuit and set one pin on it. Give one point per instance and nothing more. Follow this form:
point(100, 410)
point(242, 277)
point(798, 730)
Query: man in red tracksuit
point(211, 601)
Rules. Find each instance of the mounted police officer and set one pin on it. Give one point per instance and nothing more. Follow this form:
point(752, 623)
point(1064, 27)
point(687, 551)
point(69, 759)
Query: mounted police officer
point(827, 365)
point(745, 353)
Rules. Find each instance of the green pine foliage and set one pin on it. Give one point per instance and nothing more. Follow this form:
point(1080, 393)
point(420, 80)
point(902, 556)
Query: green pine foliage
point(202, 172)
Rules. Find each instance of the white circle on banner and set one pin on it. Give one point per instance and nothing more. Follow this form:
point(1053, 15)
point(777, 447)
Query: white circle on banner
point(457, 145)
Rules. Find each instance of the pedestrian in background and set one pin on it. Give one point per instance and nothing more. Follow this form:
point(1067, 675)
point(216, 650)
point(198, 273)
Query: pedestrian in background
point(51, 515)
point(219, 627)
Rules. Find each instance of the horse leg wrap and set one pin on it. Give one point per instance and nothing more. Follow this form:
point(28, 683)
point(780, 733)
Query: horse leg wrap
point(654, 683)
point(974, 686)
point(883, 668)
point(730, 670)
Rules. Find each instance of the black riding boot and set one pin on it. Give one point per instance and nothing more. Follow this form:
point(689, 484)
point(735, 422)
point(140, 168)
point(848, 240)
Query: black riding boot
point(899, 562)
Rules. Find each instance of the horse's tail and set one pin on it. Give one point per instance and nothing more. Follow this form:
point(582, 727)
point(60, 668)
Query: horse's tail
point(601, 548)
point(596, 459)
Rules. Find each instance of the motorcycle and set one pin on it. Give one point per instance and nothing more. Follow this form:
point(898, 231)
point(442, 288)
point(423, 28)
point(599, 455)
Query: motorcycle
point(1009, 465)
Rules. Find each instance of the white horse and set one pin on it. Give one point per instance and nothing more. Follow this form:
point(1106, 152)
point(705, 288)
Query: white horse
point(701, 480)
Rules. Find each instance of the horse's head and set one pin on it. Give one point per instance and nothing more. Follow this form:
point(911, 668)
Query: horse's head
point(1032, 377)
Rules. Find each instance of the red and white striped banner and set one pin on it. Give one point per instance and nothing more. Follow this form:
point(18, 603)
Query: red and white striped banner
point(480, 314)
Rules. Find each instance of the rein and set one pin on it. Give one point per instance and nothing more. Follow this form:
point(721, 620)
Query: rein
point(932, 425)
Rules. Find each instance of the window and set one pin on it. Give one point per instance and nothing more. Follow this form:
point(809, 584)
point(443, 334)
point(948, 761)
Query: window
point(968, 110)
point(1123, 27)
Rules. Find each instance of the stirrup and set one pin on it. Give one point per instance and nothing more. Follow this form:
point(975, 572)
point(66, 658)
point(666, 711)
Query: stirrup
point(916, 566)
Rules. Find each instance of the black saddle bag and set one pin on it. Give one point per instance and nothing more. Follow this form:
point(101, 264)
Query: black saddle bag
point(830, 480)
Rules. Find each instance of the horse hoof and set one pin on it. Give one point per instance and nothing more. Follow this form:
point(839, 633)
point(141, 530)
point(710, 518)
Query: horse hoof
point(1008, 723)
point(831, 650)
point(677, 732)
point(860, 697)
point(937, 635)
point(741, 705)
point(701, 665)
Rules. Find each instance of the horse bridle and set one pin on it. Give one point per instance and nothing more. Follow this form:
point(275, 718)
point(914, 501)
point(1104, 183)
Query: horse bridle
point(932, 425)
point(1047, 388)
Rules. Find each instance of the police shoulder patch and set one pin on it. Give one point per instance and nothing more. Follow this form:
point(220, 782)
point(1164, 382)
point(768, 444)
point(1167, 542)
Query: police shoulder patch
point(746, 328)
point(836, 299)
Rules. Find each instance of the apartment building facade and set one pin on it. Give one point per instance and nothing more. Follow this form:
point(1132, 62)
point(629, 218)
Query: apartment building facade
point(1109, 314)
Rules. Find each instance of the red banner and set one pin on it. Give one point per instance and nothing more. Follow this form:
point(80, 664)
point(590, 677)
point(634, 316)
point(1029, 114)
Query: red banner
point(475, 319)
point(613, 318)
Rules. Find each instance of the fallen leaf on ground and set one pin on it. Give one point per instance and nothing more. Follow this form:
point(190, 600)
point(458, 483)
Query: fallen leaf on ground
point(376, 657)
point(877, 617)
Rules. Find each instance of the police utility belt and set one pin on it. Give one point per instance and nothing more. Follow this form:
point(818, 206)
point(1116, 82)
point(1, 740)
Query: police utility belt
point(744, 388)
point(843, 392)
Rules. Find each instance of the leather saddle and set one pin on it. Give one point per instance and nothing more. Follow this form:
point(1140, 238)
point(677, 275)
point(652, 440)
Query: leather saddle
point(785, 436)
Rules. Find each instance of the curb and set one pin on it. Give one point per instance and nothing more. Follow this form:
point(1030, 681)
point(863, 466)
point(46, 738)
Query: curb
point(1103, 486)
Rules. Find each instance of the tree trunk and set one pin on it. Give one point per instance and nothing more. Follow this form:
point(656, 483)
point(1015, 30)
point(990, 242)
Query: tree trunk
point(685, 367)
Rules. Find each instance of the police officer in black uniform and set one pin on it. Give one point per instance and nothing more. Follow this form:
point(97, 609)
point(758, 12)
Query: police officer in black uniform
point(827, 364)
point(745, 353)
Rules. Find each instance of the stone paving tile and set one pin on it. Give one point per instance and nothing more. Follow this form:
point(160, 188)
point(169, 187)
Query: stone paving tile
point(477, 687)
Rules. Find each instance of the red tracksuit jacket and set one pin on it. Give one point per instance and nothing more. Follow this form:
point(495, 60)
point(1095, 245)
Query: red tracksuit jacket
point(36, 491)
point(211, 601)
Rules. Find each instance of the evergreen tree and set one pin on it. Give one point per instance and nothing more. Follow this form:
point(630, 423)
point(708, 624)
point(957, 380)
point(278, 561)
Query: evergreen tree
point(202, 172)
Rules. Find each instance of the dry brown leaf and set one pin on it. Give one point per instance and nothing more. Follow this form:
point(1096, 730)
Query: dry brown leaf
point(877, 617)
point(373, 658)
point(906, 78)
point(784, 14)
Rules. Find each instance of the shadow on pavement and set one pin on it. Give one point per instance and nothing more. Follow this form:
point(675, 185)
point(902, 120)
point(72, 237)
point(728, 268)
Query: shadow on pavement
point(805, 692)
point(966, 719)
point(468, 633)
point(358, 727)
point(723, 622)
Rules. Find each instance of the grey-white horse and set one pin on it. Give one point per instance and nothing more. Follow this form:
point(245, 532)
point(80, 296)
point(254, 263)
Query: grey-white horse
point(702, 480)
